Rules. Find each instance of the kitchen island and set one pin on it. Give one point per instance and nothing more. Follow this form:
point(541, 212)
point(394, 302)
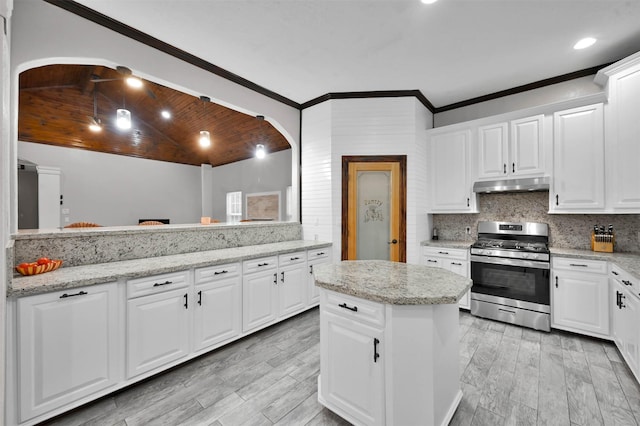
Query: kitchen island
point(389, 342)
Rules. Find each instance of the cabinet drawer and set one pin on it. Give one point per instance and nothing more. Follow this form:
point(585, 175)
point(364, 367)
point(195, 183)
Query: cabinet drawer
point(577, 265)
point(436, 262)
point(156, 284)
point(259, 264)
point(353, 307)
point(322, 253)
point(445, 252)
point(292, 258)
point(216, 273)
point(626, 279)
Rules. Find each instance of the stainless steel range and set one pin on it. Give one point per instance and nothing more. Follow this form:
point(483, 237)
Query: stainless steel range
point(510, 271)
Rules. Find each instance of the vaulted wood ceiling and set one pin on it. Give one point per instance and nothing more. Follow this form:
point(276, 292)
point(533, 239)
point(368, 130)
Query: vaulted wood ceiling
point(56, 106)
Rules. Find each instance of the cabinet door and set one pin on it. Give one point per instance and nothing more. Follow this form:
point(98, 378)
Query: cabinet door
point(316, 257)
point(631, 316)
point(578, 160)
point(259, 299)
point(157, 330)
point(623, 134)
point(351, 379)
point(492, 151)
point(217, 312)
point(580, 302)
point(68, 346)
point(526, 146)
point(617, 315)
point(450, 189)
point(292, 283)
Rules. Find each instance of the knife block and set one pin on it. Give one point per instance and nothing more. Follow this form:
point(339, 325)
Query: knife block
point(601, 246)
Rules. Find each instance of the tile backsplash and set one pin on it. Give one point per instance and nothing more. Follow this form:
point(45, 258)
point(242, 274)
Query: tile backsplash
point(566, 230)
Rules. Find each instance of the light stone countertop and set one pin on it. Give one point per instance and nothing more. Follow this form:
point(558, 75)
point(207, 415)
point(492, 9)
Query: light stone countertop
point(392, 282)
point(630, 262)
point(447, 244)
point(78, 276)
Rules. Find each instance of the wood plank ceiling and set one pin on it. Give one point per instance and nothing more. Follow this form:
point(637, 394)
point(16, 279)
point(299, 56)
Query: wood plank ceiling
point(56, 106)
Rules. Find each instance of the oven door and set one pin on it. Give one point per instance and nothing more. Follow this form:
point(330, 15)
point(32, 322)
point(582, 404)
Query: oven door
point(516, 279)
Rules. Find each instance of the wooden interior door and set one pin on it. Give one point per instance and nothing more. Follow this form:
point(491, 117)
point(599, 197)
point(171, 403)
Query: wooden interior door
point(374, 208)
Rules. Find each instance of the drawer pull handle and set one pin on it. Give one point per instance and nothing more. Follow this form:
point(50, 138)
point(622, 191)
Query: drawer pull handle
point(456, 263)
point(294, 258)
point(320, 254)
point(432, 261)
point(186, 301)
point(579, 264)
point(311, 269)
point(164, 283)
point(224, 271)
point(200, 298)
point(443, 252)
point(275, 278)
point(282, 276)
point(507, 311)
point(614, 273)
point(625, 282)
point(376, 355)
point(81, 293)
point(345, 306)
point(263, 264)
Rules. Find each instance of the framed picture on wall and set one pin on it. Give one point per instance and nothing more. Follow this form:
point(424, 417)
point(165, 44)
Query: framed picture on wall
point(263, 206)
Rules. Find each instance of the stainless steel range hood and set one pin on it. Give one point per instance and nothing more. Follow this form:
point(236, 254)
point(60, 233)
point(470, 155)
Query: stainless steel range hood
point(512, 185)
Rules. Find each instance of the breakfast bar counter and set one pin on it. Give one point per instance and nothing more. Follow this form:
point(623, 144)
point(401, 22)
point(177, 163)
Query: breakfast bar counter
point(389, 342)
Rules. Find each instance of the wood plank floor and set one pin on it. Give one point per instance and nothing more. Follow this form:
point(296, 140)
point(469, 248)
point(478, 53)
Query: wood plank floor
point(510, 376)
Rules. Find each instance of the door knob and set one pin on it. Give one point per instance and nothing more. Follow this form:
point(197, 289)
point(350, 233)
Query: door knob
point(394, 241)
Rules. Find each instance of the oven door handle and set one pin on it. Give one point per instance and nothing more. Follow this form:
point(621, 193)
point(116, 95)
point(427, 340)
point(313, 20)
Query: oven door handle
point(510, 262)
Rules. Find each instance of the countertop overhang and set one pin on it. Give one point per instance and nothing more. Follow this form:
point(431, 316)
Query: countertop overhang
point(392, 282)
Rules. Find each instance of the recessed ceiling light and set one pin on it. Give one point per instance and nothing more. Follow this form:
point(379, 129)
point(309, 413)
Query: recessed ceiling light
point(165, 114)
point(428, 1)
point(134, 82)
point(584, 43)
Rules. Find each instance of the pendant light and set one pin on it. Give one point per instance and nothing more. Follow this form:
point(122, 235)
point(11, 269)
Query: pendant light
point(123, 116)
point(96, 124)
point(205, 136)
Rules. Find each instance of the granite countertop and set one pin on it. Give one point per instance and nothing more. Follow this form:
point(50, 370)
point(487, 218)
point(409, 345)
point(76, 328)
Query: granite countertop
point(447, 244)
point(78, 276)
point(630, 262)
point(392, 282)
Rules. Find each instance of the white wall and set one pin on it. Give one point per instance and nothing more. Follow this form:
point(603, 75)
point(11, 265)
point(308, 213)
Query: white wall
point(271, 173)
point(564, 91)
point(113, 190)
point(382, 126)
point(44, 34)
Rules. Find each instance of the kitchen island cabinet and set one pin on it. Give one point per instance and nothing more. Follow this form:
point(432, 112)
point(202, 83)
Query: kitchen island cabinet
point(389, 342)
point(451, 259)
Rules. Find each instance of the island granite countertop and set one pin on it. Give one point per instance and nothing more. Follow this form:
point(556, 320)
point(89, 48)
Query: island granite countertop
point(392, 282)
point(78, 276)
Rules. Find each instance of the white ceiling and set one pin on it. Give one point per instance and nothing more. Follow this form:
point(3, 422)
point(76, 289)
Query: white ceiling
point(451, 51)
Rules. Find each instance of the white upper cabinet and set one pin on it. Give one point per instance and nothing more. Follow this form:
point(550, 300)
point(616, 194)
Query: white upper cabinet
point(622, 134)
point(492, 151)
point(511, 149)
point(449, 172)
point(578, 160)
point(526, 146)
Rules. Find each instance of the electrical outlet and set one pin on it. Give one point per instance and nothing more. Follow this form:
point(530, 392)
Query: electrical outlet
point(468, 229)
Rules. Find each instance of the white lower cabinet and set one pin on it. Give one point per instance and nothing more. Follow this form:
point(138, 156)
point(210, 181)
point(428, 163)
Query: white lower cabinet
point(273, 288)
point(580, 296)
point(158, 322)
point(218, 305)
point(625, 317)
point(454, 260)
point(67, 347)
point(314, 258)
point(352, 371)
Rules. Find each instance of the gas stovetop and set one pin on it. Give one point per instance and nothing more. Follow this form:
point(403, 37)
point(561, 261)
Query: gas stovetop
point(513, 240)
